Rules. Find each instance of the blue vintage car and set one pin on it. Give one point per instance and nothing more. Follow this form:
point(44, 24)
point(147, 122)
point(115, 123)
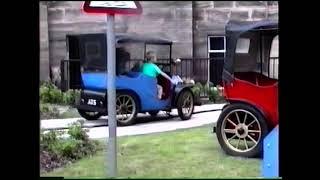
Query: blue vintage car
point(136, 93)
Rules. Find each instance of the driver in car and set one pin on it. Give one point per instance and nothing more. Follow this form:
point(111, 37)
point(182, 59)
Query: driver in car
point(152, 70)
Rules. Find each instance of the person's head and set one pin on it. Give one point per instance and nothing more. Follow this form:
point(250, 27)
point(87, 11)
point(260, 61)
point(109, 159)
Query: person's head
point(151, 56)
point(174, 65)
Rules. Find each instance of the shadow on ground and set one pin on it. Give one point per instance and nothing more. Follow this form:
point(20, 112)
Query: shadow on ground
point(145, 118)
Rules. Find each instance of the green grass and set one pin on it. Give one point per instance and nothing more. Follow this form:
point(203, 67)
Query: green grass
point(190, 153)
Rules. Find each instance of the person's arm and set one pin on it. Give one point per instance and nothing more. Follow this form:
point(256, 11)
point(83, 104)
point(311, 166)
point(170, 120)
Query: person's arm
point(163, 74)
point(178, 78)
point(166, 76)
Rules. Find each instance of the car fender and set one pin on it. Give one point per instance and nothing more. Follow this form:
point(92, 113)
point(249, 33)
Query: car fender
point(127, 91)
point(255, 106)
point(178, 89)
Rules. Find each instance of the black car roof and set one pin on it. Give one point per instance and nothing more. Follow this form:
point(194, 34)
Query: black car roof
point(244, 26)
point(128, 38)
point(234, 29)
point(124, 37)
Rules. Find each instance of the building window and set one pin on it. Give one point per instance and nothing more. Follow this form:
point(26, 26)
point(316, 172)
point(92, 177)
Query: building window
point(216, 44)
point(216, 53)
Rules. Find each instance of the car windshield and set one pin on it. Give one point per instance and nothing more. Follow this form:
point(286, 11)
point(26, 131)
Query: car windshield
point(91, 50)
point(129, 57)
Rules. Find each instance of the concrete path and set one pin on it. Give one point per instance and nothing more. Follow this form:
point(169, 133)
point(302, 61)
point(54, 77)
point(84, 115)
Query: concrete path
point(206, 114)
point(158, 126)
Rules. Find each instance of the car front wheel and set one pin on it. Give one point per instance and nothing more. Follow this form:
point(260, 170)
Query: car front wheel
point(185, 105)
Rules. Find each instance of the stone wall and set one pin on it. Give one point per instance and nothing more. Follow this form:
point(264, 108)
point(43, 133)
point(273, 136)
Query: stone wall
point(186, 23)
point(44, 43)
point(168, 19)
point(210, 18)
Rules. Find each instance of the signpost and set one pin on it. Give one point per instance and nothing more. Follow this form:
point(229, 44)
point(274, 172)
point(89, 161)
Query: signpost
point(111, 8)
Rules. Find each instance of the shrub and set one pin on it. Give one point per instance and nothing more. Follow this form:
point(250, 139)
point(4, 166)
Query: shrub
point(76, 132)
point(56, 151)
point(67, 149)
point(47, 140)
point(49, 93)
point(47, 111)
point(70, 96)
point(213, 93)
point(197, 89)
point(208, 89)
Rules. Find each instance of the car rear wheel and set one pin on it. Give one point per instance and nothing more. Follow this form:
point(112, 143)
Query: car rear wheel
point(127, 109)
point(185, 105)
point(89, 115)
point(240, 130)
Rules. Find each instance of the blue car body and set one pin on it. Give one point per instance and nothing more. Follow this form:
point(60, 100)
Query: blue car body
point(144, 86)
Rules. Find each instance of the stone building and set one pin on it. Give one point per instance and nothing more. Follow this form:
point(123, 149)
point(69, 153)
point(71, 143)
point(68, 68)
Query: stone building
point(191, 25)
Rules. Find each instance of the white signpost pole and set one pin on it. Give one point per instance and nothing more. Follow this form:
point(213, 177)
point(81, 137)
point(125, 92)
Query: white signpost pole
point(112, 122)
point(111, 8)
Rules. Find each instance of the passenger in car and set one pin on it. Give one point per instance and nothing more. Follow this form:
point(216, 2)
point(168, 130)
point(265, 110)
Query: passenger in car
point(175, 77)
point(152, 70)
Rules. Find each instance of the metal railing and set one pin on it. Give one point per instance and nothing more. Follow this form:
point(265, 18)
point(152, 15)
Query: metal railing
point(196, 69)
point(202, 70)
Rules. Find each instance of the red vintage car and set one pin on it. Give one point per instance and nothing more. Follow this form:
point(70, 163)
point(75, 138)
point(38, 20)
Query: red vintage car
point(250, 85)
